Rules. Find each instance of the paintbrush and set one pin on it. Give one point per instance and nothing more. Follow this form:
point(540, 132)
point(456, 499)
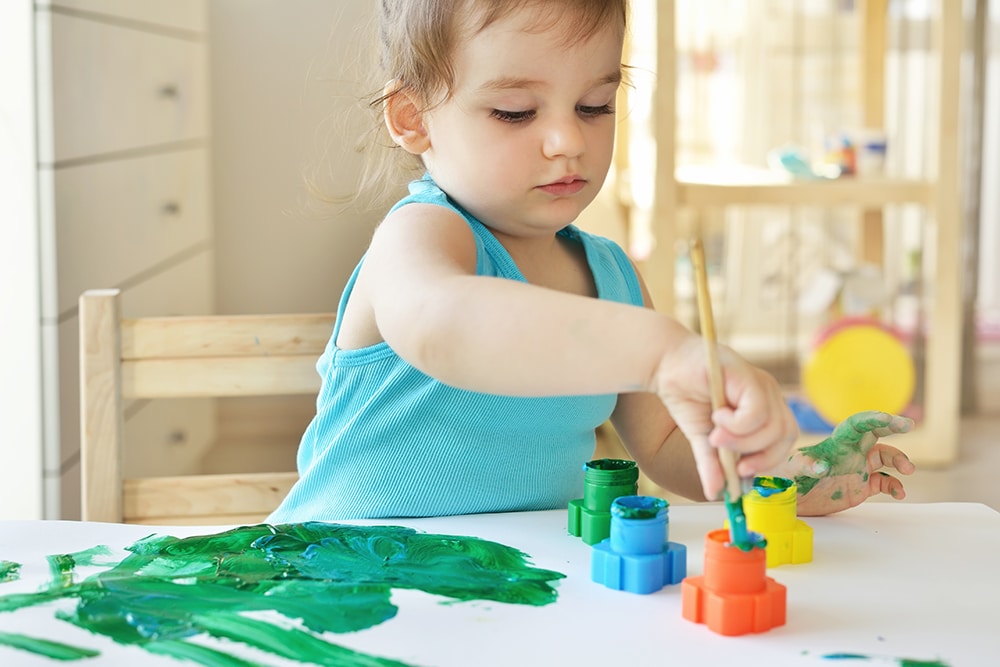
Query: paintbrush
point(734, 486)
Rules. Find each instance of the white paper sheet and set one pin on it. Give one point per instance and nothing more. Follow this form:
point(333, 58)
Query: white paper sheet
point(888, 581)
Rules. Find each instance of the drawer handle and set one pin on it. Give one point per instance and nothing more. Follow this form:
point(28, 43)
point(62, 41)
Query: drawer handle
point(177, 436)
point(171, 208)
point(170, 92)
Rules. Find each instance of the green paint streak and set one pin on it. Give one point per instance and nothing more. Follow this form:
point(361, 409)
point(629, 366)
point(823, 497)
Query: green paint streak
point(203, 655)
point(62, 566)
point(328, 577)
point(287, 642)
point(902, 662)
point(9, 571)
point(837, 495)
point(46, 648)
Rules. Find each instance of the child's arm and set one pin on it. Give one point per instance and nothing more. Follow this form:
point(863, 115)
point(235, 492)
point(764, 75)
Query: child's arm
point(502, 336)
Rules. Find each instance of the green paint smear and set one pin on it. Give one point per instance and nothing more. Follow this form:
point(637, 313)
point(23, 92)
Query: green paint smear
point(328, 577)
point(46, 648)
point(9, 571)
point(903, 662)
point(62, 566)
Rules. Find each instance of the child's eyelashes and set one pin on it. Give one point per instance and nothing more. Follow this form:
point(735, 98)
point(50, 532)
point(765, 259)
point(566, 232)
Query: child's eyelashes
point(522, 116)
point(602, 110)
point(512, 116)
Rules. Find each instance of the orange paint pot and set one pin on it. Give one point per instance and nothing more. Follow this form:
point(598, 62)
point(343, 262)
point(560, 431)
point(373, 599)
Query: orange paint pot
point(734, 596)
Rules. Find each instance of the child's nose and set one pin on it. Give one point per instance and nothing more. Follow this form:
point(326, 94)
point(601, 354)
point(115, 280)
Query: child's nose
point(563, 138)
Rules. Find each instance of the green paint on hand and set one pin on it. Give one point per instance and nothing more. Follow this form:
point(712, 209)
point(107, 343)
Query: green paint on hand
point(9, 571)
point(805, 484)
point(837, 495)
point(845, 451)
point(328, 577)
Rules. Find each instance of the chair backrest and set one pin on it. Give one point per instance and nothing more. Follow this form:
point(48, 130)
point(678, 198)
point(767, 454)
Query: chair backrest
point(169, 357)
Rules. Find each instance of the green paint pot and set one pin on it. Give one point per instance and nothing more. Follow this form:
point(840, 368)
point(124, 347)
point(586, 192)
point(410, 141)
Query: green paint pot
point(607, 479)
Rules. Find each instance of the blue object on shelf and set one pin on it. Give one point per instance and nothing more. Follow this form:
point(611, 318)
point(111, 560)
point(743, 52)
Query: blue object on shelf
point(808, 419)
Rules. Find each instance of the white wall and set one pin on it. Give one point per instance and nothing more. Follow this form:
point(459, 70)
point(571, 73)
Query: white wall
point(284, 79)
point(20, 349)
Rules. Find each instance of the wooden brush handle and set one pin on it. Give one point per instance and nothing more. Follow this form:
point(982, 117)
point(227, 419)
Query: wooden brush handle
point(727, 457)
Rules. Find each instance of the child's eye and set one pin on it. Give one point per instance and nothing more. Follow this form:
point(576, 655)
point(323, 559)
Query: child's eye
point(512, 116)
point(603, 110)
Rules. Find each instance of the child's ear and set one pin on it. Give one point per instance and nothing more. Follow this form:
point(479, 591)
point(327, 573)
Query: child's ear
point(404, 119)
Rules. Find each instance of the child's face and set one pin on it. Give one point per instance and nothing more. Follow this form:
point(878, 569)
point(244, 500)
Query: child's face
point(525, 141)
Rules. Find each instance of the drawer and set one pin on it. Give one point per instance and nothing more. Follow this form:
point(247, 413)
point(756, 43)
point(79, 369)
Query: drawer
point(114, 89)
point(174, 14)
point(114, 221)
point(188, 288)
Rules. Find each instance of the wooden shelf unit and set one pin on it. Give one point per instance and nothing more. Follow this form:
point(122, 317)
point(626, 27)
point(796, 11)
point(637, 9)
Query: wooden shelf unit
point(935, 440)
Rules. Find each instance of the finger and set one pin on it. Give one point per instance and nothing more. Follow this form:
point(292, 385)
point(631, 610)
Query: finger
point(855, 427)
point(757, 463)
point(882, 482)
point(761, 421)
point(756, 402)
point(881, 424)
point(706, 460)
point(886, 456)
point(896, 424)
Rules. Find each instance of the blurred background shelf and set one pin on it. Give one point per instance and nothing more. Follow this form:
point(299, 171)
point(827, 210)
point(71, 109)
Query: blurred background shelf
point(750, 77)
point(707, 186)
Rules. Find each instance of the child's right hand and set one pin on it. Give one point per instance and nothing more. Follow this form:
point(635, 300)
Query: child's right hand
point(757, 422)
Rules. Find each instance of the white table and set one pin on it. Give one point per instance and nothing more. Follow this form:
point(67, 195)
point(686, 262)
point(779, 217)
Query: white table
point(888, 581)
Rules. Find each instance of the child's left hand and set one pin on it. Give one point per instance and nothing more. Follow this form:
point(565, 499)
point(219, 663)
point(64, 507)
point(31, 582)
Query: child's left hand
point(845, 469)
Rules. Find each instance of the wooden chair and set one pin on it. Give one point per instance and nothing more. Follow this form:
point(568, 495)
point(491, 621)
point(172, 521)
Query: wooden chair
point(161, 357)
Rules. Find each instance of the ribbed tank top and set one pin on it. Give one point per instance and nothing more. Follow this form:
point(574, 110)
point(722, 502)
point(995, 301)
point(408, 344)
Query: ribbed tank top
point(390, 441)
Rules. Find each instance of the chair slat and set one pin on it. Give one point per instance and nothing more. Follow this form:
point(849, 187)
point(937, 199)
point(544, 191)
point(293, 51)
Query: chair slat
point(174, 357)
point(226, 335)
point(101, 422)
point(222, 376)
point(154, 499)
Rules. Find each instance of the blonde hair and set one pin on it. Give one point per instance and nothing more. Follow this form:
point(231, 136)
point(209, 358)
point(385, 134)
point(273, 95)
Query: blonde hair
point(417, 40)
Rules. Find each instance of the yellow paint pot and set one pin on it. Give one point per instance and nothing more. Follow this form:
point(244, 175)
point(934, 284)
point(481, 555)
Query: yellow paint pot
point(858, 365)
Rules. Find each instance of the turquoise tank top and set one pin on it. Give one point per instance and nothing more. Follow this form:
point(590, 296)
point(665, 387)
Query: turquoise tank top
point(390, 441)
